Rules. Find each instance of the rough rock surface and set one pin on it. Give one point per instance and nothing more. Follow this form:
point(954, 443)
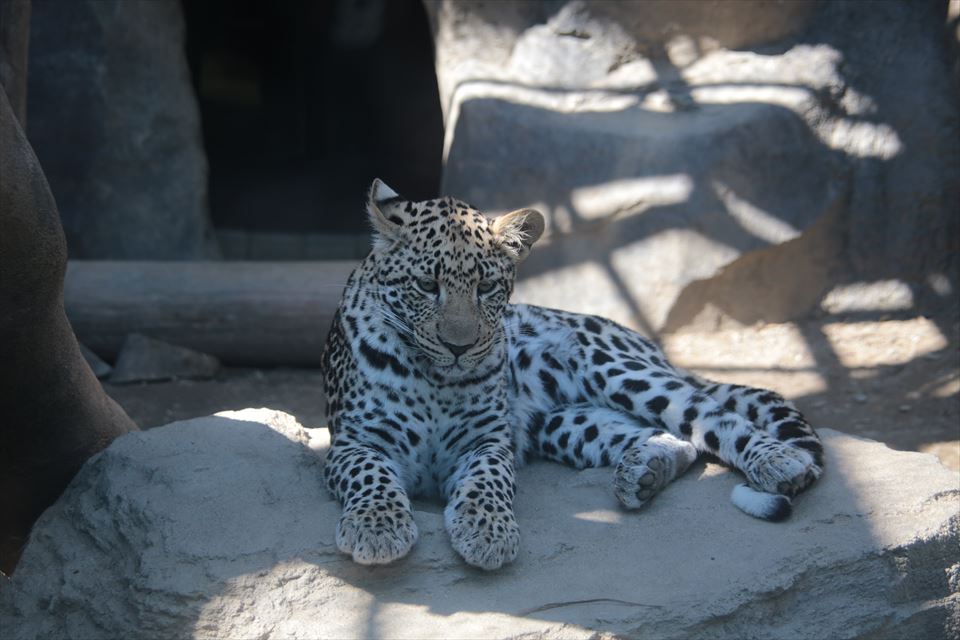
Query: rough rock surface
point(143, 359)
point(115, 124)
point(220, 527)
point(681, 150)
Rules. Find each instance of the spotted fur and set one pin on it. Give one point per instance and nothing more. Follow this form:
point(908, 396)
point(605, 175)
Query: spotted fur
point(436, 384)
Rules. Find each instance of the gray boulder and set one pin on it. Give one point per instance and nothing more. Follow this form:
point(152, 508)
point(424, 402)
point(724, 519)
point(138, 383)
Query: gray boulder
point(642, 204)
point(220, 527)
point(114, 121)
point(145, 359)
point(100, 368)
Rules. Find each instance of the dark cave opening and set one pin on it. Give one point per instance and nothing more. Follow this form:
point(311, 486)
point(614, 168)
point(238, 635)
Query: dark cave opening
point(303, 103)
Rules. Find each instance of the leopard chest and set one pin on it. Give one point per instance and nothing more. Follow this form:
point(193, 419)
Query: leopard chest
point(425, 432)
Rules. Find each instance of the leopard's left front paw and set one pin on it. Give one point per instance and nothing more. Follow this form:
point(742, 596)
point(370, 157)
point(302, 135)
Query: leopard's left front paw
point(777, 467)
point(485, 539)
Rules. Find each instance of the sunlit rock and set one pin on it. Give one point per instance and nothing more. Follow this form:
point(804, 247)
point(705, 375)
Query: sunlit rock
point(220, 527)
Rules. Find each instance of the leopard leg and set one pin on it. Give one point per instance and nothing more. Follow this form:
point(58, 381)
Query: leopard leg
point(376, 526)
point(776, 416)
point(647, 458)
point(479, 512)
point(769, 464)
point(643, 384)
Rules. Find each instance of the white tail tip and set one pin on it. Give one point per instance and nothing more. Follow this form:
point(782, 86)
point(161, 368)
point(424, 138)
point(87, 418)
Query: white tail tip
point(766, 506)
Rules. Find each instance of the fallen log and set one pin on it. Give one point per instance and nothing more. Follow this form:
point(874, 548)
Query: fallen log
point(245, 313)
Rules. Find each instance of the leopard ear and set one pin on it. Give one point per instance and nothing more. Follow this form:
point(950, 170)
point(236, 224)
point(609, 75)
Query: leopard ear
point(386, 209)
point(518, 230)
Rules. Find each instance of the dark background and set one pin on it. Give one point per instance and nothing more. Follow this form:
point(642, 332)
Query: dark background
point(300, 106)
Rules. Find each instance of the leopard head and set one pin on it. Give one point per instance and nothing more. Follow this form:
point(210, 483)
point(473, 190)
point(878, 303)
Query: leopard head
point(445, 273)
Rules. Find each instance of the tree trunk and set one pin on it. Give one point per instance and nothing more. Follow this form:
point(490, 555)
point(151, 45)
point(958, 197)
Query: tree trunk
point(55, 413)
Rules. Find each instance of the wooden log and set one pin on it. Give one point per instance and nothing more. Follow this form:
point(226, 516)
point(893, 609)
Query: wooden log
point(245, 313)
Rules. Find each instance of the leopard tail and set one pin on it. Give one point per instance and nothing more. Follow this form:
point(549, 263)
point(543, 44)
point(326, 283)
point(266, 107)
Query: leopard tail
point(759, 504)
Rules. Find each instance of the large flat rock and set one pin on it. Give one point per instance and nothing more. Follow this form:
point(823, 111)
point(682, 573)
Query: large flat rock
point(220, 527)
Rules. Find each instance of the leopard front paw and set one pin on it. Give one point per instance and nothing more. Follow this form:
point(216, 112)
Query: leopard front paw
point(485, 539)
point(776, 467)
point(376, 537)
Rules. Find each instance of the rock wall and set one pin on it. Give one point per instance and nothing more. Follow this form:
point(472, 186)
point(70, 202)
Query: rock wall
point(684, 150)
point(220, 527)
point(114, 121)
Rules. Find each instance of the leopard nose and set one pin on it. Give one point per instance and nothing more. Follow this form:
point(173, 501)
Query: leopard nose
point(457, 349)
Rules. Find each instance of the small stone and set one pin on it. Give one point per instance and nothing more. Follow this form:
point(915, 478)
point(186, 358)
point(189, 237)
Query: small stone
point(144, 359)
point(904, 408)
point(100, 368)
point(861, 398)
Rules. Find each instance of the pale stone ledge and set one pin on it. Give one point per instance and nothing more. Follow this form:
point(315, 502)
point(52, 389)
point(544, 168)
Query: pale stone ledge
point(221, 527)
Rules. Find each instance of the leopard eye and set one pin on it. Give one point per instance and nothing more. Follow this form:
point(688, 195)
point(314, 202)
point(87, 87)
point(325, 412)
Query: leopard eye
point(486, 286)
point(428, 285)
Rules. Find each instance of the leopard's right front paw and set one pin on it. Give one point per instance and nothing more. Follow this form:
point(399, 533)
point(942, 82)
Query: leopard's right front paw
point(376, 537)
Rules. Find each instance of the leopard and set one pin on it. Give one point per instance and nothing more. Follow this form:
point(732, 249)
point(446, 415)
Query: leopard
point(438, 386)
